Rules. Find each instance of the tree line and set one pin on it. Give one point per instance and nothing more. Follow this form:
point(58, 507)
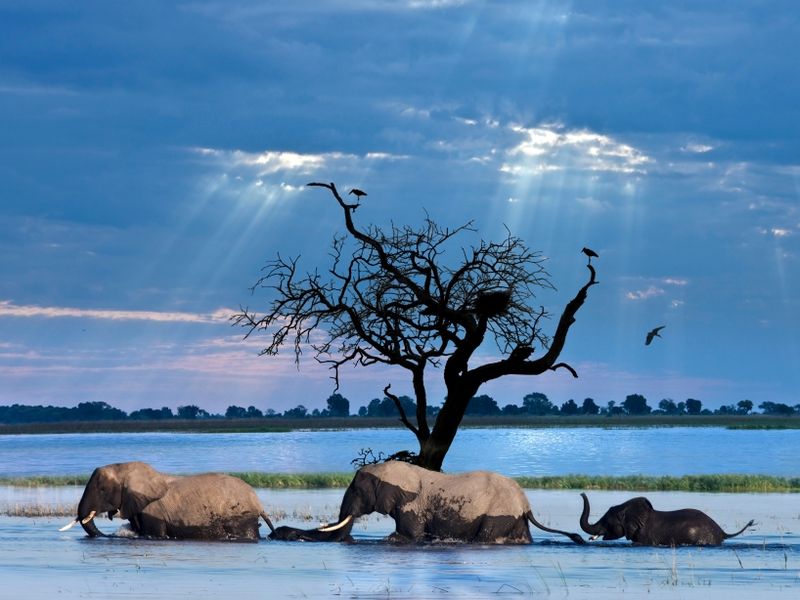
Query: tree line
point(533, 405)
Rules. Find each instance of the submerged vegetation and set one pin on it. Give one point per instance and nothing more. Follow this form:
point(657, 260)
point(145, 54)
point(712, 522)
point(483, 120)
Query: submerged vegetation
point(632, 483)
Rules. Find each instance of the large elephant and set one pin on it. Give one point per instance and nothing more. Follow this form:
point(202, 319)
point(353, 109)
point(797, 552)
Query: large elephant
point(206, 506)
point(477, 507)
point(639, 522)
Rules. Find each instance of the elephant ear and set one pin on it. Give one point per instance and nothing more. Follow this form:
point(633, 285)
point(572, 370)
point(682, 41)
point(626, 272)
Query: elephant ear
point(635, 518)
point(140, 488)
point(389, 497)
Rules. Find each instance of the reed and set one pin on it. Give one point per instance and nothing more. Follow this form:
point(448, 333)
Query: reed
point(39, 510)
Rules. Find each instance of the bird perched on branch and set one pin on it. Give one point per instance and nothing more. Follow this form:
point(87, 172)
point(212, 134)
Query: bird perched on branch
point(521, 353)
point(358, 193)
point(653, 334)
point(590, 253)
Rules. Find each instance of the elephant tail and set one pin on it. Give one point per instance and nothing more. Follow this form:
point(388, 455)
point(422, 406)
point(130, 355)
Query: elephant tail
point(730, 535)
point(573, 536)
point(267, 521)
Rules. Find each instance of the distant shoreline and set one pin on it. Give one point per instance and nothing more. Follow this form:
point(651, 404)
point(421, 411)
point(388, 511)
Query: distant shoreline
point(282, 424)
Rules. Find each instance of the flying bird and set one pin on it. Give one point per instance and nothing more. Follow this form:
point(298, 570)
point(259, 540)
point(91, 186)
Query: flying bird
point(358, 193)
point(590, 253)
point(653, 334)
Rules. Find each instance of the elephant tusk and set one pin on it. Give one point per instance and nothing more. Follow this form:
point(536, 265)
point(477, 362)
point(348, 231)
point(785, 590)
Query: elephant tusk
point(88, 517)
point(594, 537)
point(330, 528)
point(69, 525)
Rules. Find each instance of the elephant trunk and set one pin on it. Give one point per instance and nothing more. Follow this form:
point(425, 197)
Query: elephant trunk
point(593, 530)
point(86, 515)
point(90, 528)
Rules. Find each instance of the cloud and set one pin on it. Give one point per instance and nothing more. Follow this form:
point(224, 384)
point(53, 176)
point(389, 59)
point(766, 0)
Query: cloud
point(779, 232)
point(272, 162)
point(9, 309)
point(651, 292)
point(514, 149)
point(433, 4)
point(552, 147)
point(696, 148)
point(656, 289)
point(675, 281)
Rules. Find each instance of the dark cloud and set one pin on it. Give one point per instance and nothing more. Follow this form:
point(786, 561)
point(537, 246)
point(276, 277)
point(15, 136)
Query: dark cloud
point(663, 134)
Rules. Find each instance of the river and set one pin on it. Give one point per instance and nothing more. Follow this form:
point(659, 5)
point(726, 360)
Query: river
point(513, 452)
point(39, 562)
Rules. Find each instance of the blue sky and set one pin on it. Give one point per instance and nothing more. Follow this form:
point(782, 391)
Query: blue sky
point(153, 156)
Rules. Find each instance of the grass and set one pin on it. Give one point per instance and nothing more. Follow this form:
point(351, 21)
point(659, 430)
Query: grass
point(39, 510)
point(686, 483)
point(296, 481)
point(633, 483)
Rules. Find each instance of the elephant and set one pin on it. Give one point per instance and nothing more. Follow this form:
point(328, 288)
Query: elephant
point(637, 521)
point(207, 506)
point(476, 507)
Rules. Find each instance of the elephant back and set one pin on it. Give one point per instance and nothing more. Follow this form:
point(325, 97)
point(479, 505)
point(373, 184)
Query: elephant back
point(473, 494)
point(201, 500)
point(483, 494)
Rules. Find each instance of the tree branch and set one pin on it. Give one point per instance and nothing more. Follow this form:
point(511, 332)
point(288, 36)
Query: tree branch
point(547, 362)
point(403, 417)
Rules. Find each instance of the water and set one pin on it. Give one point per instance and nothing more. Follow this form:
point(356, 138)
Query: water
point(39, 562)
point(535, 452)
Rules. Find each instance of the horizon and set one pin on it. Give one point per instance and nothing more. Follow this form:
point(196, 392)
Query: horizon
point(156, 157)
point(354, 408)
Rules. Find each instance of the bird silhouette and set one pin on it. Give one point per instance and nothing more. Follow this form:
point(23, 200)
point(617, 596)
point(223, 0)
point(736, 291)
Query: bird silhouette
point(521, 353)
point(653, 334)
point(590, 253)
point(358, 193)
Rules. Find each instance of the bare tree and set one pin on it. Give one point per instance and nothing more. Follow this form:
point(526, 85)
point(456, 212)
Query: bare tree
point(390, 297)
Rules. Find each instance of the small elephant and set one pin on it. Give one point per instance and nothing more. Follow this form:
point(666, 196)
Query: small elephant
point(637, 521)
point(209, 506)
point(478, 507)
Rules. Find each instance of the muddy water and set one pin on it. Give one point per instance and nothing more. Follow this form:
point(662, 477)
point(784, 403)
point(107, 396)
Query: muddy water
point(38, 561)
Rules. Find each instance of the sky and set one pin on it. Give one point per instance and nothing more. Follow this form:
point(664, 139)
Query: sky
point(154, 156)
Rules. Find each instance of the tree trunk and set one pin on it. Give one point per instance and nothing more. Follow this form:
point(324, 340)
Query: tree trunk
point(435, 447)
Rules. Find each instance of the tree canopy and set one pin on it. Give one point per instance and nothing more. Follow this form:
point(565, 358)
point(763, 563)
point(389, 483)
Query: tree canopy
point(396, 298)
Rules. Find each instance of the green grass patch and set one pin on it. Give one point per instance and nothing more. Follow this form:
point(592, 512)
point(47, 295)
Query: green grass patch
point(686, 483)
point(296, 481)
point(45, 481)
point(633, 483)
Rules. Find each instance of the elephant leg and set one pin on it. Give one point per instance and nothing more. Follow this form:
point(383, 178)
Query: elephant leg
point(503, 530)
point(398, 538)
point(409, 528)
point(151, 526)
